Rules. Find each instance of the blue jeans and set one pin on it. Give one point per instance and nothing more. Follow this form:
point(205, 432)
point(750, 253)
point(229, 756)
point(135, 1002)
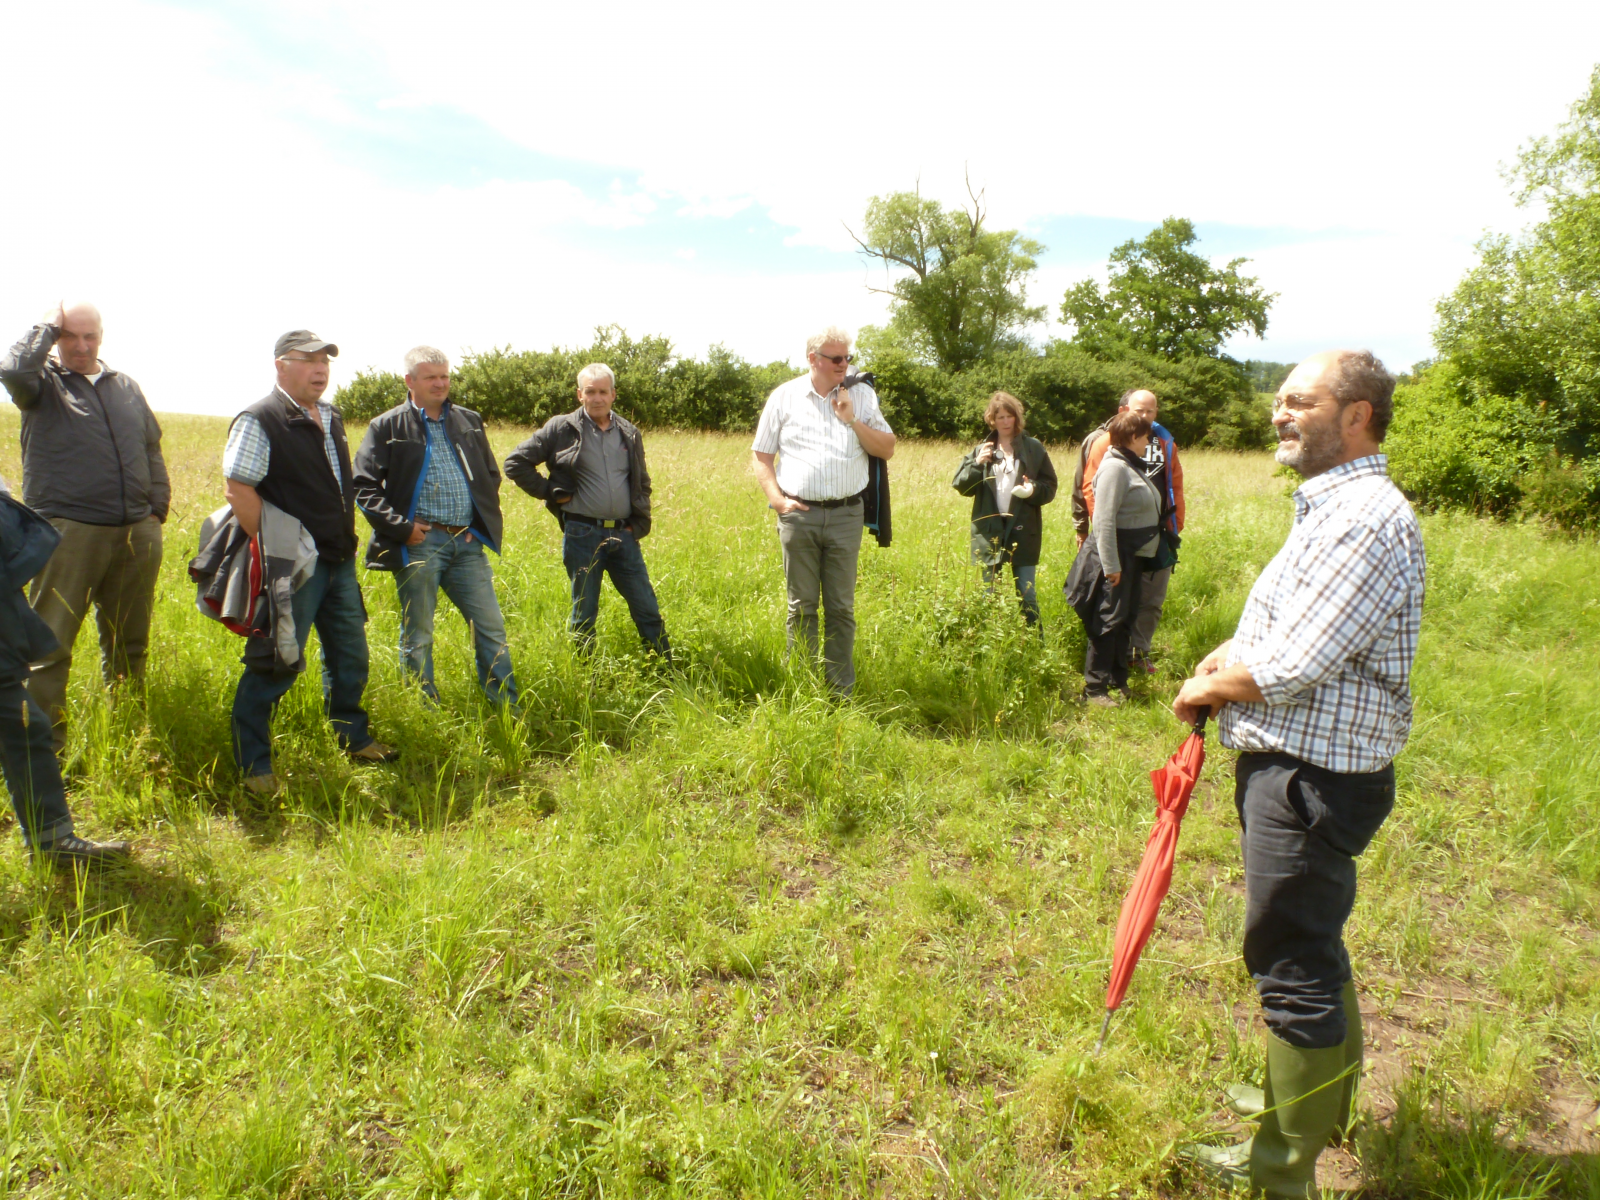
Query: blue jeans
point(31, 770)
point(330, 600)
point(462, 570)
point(1026, 579)
point(590, 552)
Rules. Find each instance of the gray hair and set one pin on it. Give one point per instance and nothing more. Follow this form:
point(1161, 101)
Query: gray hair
point(418, 355)
point(1358, 375)
point(596, 371)
point(832, 333)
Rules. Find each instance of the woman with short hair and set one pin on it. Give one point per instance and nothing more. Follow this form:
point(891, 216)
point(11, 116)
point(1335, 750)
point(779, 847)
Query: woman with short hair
point(1122, 542)
point(1010, 478)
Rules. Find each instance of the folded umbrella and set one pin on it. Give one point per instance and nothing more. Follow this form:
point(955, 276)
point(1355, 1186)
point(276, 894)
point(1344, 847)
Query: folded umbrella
point(1174, 784)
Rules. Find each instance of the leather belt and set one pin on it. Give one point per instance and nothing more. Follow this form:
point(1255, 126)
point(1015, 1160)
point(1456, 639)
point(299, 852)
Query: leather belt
point(452, 530)
point(856, 499)
point(604, 524)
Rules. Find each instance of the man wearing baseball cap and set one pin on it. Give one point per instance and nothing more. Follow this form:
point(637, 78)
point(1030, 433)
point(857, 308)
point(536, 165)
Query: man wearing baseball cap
point(289, 449)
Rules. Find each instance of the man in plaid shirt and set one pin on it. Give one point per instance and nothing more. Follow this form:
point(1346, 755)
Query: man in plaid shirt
point(1314, 690)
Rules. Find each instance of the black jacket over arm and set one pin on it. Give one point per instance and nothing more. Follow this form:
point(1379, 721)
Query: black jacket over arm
point(555, 446)
point(388, 478)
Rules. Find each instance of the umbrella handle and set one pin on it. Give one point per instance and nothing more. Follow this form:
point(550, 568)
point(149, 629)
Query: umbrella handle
point(1104, 1026)
point(1200, 721)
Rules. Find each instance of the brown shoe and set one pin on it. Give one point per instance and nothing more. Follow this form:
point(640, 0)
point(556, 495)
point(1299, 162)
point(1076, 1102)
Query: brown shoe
point(263, 785)
point(374, 752)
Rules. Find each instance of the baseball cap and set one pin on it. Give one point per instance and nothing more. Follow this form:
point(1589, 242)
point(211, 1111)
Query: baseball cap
point(305, 342)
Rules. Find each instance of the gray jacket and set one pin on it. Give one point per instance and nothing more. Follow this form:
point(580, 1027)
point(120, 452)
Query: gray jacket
point(1123, 499)
point(90, 452)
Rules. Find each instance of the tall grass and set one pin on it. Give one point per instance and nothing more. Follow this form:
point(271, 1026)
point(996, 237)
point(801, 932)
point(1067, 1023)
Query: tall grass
point(705, 931)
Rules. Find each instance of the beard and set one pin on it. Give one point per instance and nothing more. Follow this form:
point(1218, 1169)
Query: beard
point(1309, 450)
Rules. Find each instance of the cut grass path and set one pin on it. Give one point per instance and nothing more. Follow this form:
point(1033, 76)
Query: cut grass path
point(708, 933)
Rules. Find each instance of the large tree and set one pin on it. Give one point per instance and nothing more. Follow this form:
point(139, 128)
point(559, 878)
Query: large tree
point(963, 295)
point(1525, 322)
point(1165, 299)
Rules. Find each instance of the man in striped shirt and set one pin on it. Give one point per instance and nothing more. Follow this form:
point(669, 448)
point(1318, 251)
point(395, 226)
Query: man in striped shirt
point(1314, 690)
point(810, 457)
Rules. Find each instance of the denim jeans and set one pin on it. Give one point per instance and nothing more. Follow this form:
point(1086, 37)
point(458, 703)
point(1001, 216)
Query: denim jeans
point(462, 569)
point(591, 553)
point(1026, 580)
point(1302, 827)
point(330, 600)
point(31, 770)
point(821, 549)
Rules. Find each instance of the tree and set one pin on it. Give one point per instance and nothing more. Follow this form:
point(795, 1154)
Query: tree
point(966, 295)
point(1165, 299)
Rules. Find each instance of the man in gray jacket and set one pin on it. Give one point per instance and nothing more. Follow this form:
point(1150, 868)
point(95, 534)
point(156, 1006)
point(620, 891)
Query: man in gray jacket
point(92, 466)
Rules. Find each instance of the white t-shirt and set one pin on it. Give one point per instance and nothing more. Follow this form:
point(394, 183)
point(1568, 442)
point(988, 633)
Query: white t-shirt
point(1007, 467)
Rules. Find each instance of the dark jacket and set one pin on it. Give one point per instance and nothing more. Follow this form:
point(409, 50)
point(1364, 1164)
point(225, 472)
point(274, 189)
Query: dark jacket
point(391, 464)
point(91, 452)
point(556, 444)
point(27, 541)
point(998, 537)
point(298, 479)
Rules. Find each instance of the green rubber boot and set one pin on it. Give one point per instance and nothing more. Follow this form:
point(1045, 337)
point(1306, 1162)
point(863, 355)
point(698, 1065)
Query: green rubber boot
point(1247, 1101)
point(1304, 1093)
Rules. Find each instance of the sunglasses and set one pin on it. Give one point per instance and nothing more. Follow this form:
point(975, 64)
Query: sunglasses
point(838, 360)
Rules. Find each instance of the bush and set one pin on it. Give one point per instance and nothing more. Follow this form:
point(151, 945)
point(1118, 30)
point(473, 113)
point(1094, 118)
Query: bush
point(1451, 446)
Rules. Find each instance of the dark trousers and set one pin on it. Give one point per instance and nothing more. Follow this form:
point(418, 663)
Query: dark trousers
point(330, 600)
point(590, 554)
point(1302, 828)
point(31, 770)
point(1105, 660)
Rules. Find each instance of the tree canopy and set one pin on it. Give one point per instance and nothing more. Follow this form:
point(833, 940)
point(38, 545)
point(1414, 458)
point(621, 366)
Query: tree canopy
point(965, 297)
point(1165, 299)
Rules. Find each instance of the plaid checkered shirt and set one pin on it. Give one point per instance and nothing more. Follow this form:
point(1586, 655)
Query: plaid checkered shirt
point(248, 453)
point(1329, 633)
point(444, 498)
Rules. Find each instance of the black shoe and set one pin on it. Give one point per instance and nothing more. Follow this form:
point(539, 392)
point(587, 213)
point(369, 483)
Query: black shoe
point(72, 849)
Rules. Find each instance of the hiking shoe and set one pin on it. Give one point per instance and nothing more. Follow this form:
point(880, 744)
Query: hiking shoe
point(1139, 660)
point(374, 752)
point(263, 785)
point(73, 850)
point(1102, 700)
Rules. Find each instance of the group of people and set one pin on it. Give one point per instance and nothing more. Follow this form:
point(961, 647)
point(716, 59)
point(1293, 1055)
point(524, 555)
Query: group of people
point(1313, 690)
point(1127, 512)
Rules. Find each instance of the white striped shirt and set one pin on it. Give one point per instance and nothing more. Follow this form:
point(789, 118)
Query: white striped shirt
point(1330, 631)
point(819, 456)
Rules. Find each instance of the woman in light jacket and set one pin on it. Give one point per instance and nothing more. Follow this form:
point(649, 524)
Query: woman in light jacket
point(1122, 542)
point(1010, 478)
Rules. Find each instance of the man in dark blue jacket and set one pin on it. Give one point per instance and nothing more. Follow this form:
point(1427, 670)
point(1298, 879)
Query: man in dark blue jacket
point(427, 481)
point(32, 773)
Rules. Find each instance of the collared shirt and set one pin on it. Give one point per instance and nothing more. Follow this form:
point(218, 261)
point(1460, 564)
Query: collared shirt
point(601, 472)
point(443, 497)
point(1330, 631)
point(1006, 469)
point(819, 456)
point(248, 453)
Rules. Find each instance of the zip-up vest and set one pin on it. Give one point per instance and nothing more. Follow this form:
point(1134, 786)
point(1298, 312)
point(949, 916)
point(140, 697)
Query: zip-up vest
point(298, 478)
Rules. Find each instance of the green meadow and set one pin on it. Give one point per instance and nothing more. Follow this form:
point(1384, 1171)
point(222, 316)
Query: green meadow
point(703, 931)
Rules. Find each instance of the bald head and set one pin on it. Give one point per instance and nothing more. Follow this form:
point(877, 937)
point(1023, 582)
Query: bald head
point(78, 347)
point(1332, 409)
point(1141, 402)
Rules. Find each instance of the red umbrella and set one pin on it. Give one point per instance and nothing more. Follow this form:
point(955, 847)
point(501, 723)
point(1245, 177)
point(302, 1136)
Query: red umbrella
point(1174, 783)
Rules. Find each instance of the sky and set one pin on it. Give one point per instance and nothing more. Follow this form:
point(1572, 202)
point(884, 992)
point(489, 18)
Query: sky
point(487, 174)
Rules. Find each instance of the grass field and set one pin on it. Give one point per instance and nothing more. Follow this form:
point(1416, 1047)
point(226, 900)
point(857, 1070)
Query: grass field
point(706, 932)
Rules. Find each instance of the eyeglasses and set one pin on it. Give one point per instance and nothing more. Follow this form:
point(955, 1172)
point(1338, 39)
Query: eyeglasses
point(838, 360)
point(320, 361)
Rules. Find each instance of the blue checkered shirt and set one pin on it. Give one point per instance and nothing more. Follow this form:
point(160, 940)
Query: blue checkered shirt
point(444, 498)
point(248, 453)
point(1329, 633)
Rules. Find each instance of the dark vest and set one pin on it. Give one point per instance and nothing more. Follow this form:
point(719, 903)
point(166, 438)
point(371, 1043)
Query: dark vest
point(298, 480)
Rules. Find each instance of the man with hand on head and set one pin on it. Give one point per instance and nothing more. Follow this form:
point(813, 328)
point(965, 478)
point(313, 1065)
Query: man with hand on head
point(810, 457)
point(92, 467)
point(1165, 472)
point(1314, 690)
point(429, 484)
point(599, 490)
point(290, 449)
